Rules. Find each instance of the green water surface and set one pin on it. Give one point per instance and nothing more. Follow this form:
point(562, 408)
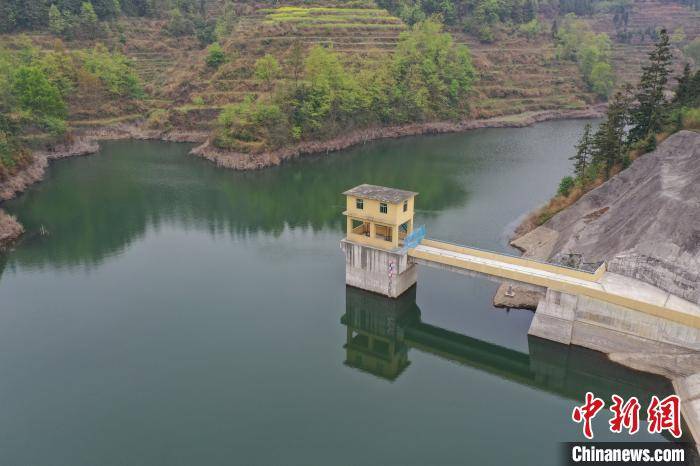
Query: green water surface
point(180, 314)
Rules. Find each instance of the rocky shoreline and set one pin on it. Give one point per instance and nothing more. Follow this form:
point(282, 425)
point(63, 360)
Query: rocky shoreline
point(86, 142)
point(10, 229)
point(243, 161)
point(643, 222)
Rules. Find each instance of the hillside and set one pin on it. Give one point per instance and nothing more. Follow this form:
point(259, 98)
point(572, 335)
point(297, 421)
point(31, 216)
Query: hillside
point(644, 222)
point(517, 72)
point(630, 53)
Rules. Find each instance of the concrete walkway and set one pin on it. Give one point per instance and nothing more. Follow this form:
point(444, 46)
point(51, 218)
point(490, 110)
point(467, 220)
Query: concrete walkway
point(612, 288)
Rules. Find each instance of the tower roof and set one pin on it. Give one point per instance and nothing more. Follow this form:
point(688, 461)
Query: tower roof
point(380, 193)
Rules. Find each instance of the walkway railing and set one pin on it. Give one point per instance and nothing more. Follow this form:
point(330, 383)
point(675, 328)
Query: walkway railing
point(413, 239)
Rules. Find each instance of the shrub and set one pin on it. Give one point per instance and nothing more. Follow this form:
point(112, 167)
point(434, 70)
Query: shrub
point(602, 79)
point(690, 118)
point(36, 94)
point(565, 186)
point(252, 121)
point(267, 69)
point(216, 56)
point(114, 70)
point(692, 50)
point(531, 29)
point(178, 25)
point(158, 119)
point(204, 31)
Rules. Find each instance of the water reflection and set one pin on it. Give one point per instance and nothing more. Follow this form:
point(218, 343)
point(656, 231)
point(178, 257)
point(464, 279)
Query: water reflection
point(382, 331)
point(96, 207)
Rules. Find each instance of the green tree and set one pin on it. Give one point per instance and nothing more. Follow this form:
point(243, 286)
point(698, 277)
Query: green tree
point(432, 75)
point(115, 71)
point(178, 24)
point(602, 79)
point(592, 52)
point(267, 69)
point(329, 95)
point(609, 148)
point(89, 24)
point(225, 21)
point(565, 186)
point(216, 56)
point(648, 116)
point(106, 9)
point(252, 126)
point(57, 24)
point(36, 94)
point(692, 51)
point(678, 35)
point(688, 89)
point(296, 61)
point(204, 30)
point(582, 158)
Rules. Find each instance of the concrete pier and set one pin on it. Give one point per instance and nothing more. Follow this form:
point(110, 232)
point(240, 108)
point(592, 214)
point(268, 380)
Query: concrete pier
point(378, 270)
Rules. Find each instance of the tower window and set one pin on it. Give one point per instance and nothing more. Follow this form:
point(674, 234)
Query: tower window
point(405, 206)
point(360, 204)
point(383, 208)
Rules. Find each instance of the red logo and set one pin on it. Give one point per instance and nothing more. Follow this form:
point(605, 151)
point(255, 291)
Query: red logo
point(625, 415)
point(587, 412)
point(661, 414)
point(665, 415)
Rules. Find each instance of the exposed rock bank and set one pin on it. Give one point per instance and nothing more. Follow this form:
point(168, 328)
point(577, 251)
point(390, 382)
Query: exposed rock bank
point(644, 222)
point(242, 161)
point(86, 141)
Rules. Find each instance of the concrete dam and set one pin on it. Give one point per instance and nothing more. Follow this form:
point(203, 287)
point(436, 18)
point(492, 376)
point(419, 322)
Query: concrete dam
point(599, 310)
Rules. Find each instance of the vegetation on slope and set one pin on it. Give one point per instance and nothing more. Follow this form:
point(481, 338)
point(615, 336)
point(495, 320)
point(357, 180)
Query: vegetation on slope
point(37, 88)
point(428, 77)
point(636, 120)
point(576, 41)
point(238, 70)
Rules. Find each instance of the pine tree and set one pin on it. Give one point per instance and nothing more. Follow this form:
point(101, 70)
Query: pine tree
point(609, 141)
point(57, 23)
point(583, 153)
point(89, 24)
point(648, 117)
point(683, 90)
point(105, 9)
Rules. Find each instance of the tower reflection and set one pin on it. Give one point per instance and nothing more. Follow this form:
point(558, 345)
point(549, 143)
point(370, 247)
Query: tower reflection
point(381, 333)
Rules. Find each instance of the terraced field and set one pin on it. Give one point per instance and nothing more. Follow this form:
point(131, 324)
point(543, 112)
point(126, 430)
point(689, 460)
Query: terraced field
point(518, 75)
point(359, 33)
point(515, 74)
point(649, 15)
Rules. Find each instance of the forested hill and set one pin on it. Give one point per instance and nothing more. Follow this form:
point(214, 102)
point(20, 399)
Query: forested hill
point(256, 76)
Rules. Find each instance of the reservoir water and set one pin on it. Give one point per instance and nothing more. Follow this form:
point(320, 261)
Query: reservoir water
point(174, 313)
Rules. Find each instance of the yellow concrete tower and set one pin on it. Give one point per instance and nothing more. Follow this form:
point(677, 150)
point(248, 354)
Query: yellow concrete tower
point(378, 216)
point(379, 221)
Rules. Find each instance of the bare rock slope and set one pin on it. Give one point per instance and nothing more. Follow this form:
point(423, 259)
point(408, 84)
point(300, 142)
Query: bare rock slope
point(645, 222)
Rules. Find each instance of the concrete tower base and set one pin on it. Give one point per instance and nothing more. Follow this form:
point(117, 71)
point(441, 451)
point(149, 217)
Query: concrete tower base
point(372, 269)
